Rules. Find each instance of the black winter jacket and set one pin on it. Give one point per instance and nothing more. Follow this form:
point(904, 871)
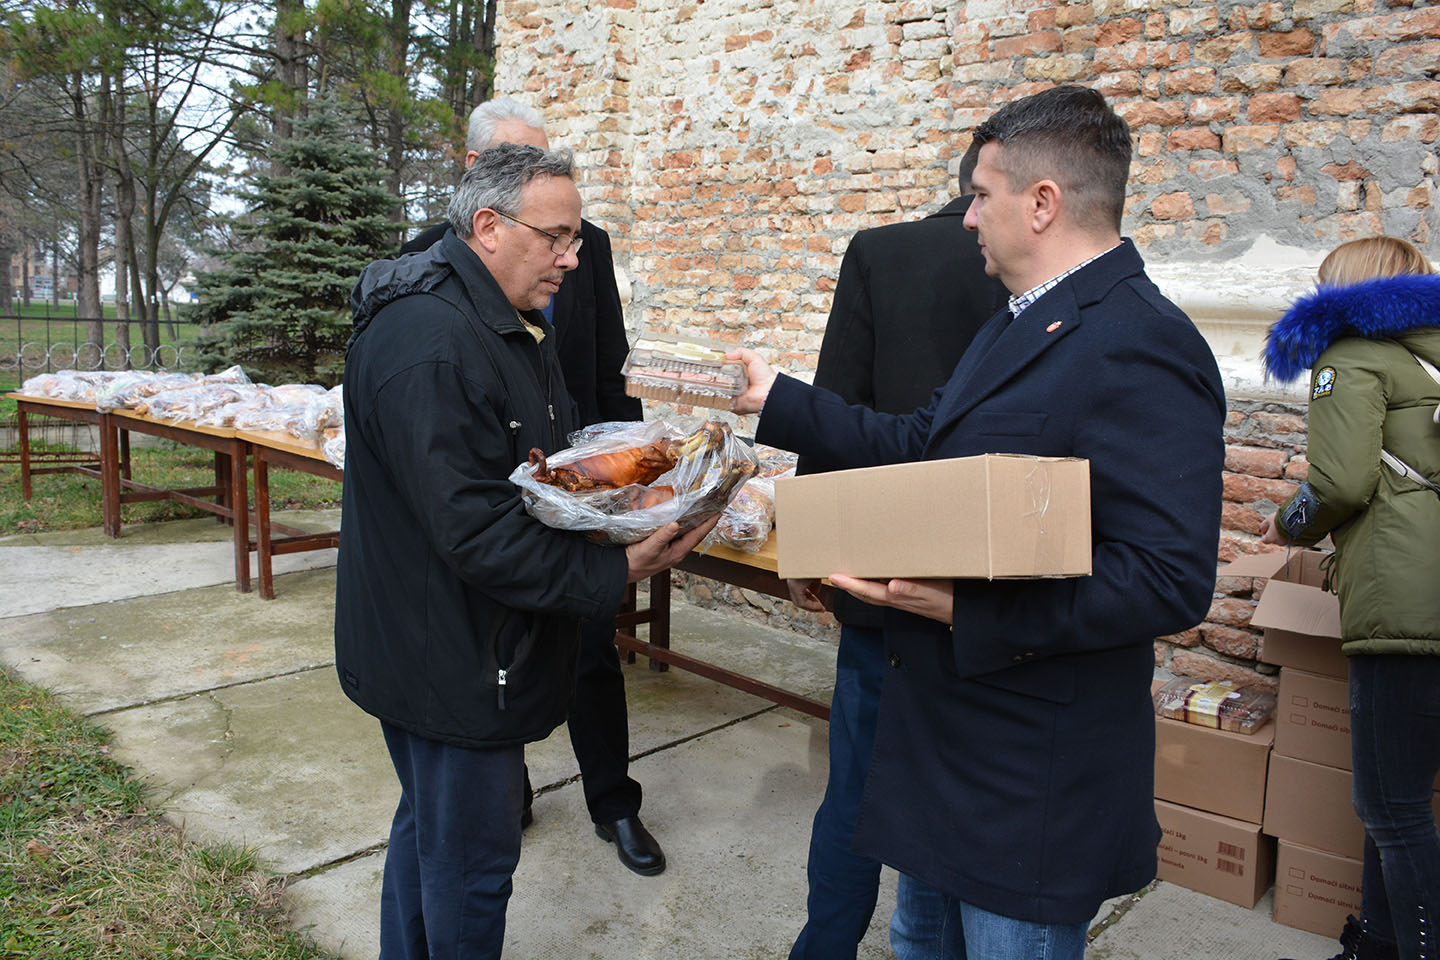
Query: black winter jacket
point(456, 613)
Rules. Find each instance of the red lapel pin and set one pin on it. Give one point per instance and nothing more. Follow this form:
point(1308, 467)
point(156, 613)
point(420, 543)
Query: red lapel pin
point(1053, 327)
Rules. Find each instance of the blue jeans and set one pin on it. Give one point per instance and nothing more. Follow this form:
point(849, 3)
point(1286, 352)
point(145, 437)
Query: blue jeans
point(844, 885)
point(930, 925)
point(454, 844)
point(1395, 752)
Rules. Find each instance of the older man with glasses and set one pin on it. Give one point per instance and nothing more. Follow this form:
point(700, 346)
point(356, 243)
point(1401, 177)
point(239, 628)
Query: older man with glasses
point(457, 615)
point(591, 344)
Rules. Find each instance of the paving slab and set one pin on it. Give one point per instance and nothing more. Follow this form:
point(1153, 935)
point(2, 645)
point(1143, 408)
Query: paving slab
point(734, 820)
point(1172, 922)
point(77, 568)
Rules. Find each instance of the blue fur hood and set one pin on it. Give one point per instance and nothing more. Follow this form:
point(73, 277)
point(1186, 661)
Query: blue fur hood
point(1376, 309)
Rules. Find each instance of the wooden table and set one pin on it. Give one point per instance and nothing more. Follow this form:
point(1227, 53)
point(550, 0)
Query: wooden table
point(91, 465)
point(231, 502)
point(283, 450)
point(750, 571)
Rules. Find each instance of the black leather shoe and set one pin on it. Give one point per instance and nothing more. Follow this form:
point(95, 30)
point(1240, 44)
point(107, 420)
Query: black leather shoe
point(637, 848)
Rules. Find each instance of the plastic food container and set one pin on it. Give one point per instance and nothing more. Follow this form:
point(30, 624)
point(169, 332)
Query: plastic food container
point(683, 371)
point(1223, 705)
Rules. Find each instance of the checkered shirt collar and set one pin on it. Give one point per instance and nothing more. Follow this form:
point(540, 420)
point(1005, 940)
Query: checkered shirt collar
point(1024, 300)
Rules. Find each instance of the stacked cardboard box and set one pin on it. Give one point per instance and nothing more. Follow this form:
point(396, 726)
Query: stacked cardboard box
point(1307, 797)
point(1209, 799)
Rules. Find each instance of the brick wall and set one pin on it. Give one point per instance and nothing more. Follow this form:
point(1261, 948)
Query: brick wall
point(732, 148)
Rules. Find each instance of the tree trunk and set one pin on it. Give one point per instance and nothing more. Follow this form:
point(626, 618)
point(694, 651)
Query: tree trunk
point(482, 85)
point(25, 270)
point(394, 118)
point(92, 184)
point(291, 67)
point(7, 282)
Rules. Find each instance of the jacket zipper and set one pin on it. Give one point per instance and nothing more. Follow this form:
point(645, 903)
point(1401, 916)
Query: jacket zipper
point(501, 688)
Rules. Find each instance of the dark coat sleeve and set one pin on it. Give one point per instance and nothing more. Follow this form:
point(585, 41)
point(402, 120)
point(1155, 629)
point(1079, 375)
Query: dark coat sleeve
point(471, 514)
point(611, 345)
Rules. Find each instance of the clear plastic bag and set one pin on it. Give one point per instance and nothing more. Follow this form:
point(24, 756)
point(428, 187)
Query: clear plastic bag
point(774, 461)
point(1222, 705)
point(334, 450)
point(77, 386)
point(324, 417)
point(707, 464)
point(132, 386)
point(279, 409)
point(749, 517)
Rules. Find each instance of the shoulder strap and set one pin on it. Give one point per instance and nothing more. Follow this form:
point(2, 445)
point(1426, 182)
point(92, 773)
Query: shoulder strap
point(1400, 466)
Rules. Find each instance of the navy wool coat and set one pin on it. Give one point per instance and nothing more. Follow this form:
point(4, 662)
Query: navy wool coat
point(1014, 759)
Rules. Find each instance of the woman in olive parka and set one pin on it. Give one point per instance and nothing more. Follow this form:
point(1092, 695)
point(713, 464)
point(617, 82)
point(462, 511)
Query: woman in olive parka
point(1374, 452)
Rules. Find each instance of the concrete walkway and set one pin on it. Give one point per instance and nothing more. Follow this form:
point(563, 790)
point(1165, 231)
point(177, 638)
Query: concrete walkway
point(229, 707)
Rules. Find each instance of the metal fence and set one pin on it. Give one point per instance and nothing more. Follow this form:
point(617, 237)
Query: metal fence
point(34, 345)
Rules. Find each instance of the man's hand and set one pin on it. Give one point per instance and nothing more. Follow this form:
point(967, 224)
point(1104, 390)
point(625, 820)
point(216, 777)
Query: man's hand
point(664, 548)
point(1270, 532)
point(929, 598)
point(805, 594)
point(761, 378)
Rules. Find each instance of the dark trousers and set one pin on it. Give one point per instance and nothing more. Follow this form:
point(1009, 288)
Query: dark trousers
point(844, 885)
point(454, 844)
point(600, 726)
point(1395, 752)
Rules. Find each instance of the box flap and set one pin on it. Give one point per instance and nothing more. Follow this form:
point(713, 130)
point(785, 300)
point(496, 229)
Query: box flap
point(1298, 609)
point(1254, 565)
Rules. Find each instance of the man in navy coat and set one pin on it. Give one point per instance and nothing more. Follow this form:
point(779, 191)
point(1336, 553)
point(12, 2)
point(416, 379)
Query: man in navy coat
point(1012, 779)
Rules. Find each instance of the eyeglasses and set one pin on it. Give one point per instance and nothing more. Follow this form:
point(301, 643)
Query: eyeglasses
point(559, 243)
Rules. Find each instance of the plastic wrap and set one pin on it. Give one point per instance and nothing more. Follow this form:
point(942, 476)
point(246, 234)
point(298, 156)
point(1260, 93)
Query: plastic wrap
point(774, 461)
point(129, 388)
point(324, 417)
point(334, 450)
point(749, 517)
point(1223, 705)
point(205, 404)
point(78, 386)
point(709, 464)
point(281, 409)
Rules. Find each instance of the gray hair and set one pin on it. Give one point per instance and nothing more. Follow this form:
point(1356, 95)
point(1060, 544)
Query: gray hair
point(497, 178)
point(490, 114)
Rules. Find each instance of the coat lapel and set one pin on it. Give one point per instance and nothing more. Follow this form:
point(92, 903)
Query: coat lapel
point(1010, 349)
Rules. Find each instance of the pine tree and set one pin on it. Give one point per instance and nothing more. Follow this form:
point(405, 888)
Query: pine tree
point(281, 305)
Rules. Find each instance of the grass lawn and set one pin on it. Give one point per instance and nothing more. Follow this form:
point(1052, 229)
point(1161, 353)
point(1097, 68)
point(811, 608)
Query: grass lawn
point(87, 870)
point(69, 501)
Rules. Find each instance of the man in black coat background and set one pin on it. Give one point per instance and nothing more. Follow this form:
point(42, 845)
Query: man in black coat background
point(590, 334)
point(908, 301)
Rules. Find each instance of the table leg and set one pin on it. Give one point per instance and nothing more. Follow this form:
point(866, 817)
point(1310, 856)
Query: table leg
point(262, 526)
point(125, 454)
point(20, 421)
point(240, 515)
point(660, 616)
point(109, 477)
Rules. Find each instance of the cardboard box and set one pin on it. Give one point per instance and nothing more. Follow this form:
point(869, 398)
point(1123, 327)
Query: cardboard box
point(1215, 855)
point(1315, 890)
point(991, 516)
point(1301, 622)
point(1309, 803)
point(1212, 770)
point(1312, 718)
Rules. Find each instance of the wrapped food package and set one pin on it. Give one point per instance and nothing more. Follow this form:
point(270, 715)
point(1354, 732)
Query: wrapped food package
point(132, 386)
point(324, 417)
point(205, 404)
point(78, 386)
point(748, 517)
point(281, 409)
point(623, 485)
point(1222, 705)
point(683, 371)
point(774, 461)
